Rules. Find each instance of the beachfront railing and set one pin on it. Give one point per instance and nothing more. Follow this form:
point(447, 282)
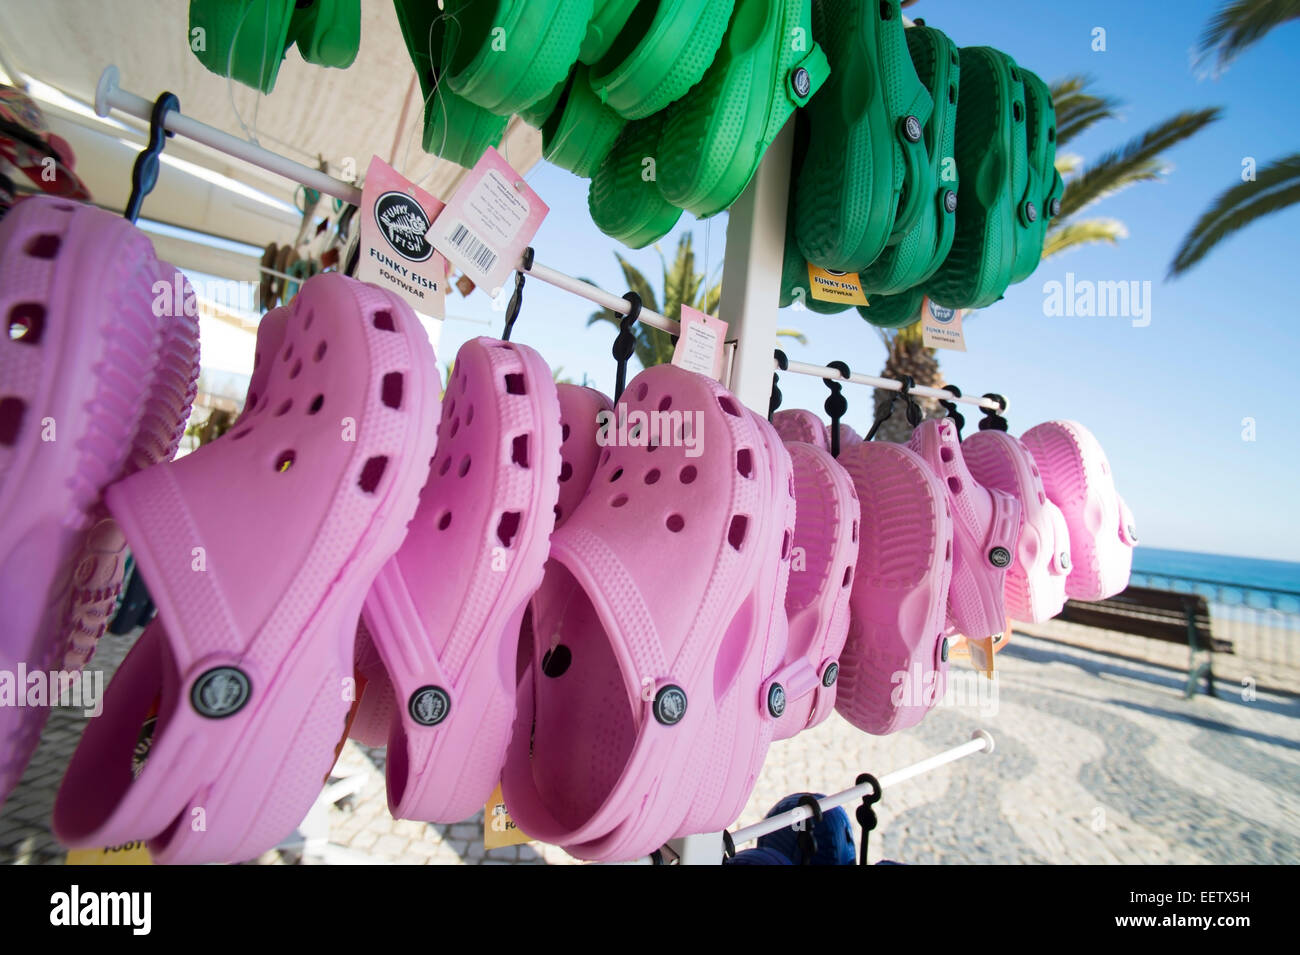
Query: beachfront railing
point(1263, 623)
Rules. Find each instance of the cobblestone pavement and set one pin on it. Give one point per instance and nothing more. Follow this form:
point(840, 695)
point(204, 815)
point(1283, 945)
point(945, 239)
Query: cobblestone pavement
point(1098, 759)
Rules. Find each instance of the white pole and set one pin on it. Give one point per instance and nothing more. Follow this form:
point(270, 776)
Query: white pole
point(981, 741)
point(109, 96)
point(887, 384)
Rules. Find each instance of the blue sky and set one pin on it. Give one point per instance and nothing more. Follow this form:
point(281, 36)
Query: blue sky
point(1166, 400)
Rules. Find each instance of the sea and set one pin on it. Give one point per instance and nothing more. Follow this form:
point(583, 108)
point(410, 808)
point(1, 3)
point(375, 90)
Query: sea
point(1237, 587)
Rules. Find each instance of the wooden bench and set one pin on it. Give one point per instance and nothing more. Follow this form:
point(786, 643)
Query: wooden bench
point(1160, 615)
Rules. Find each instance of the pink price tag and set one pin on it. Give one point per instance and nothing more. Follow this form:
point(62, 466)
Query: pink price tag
point(699, 345)
point(489, 222)
point(395, 255)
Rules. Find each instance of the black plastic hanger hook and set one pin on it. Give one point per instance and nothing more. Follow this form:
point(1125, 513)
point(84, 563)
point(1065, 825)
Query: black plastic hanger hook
point(993, 420)
point(144, 174)
point(517, 296)
point(836, 405)
point(782, 363)
point(951, 407)
point(625, 343)
point(866, 812)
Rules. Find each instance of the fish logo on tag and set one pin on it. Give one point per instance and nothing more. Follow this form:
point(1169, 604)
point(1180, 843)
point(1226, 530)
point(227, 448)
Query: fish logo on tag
point(942, 313)
point(403, 223)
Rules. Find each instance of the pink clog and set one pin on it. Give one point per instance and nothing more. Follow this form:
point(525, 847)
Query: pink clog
point(821, 580)
point(648, 705)
point(796, 424)
point(259, 549)
point(895, 662)
point(445, 613)
point(95, 383)
point(1078, 480)
point(1035, 583)
point(985, 523)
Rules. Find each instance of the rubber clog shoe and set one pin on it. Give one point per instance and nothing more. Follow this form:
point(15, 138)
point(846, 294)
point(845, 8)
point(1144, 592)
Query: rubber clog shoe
point(993, 167)
point(505, 55)
point(444, 614)
point(861, 182)
point(641, 718)
point(832, 836)
point(97, 377)
point(716, 135)
point(1035, 584)
point(581, 410)
point(259, 549)
point(1078, 480)
point(797, 424)
point(893, 311)
point(821, 575)
point(895, 662)
point(1042, 203)
point(624, 198)
point(327, 32)
point(662, 50)
point(919, 253)
point(985, 525)
point(454, 128)
point(244, 40)
point(580, 131)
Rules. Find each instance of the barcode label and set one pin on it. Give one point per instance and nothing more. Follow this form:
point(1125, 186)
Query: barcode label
point(478, 251)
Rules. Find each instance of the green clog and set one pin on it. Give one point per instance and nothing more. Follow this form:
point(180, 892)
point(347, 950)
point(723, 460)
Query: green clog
point(607, 19)
point(624, 197)
point(328, 32)
point(245, 40)
point(862, 185)
point(1043, 201)
point(663, 50)
point(454, 128)
point(581, 129)
point(915, 257)
point(893, 311)
point(716, 135)
point(505, 55)
point(993, 165)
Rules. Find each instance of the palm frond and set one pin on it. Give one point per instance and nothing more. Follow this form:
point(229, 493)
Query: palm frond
point(1077, 109)
point(636, 282)
point(1084, 232)
point(1135, 161)
point(1068, 163)
point(1275, 188)
point(1240, 24)
point(793, 333)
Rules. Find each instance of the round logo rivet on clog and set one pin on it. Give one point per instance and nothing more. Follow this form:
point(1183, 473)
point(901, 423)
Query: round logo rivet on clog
point(1132, 533)
point(429, 705)
point(950, 200)
point(999, 557)
point(802, 81)
point(1055, 208)
point(943, 650)
point(1031, 212)
point(220, 692)
point(776, 699)
point(831, 674)
point(912, 129)
point(670, 705)
point(1065, 560)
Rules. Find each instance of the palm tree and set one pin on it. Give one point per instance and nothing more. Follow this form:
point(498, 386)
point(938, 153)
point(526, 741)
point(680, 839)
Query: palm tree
point(682, 286)
point(1237, 26)
point(1140, 159)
